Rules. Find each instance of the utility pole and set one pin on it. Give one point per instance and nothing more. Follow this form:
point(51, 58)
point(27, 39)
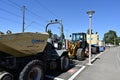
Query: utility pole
point(23, 22)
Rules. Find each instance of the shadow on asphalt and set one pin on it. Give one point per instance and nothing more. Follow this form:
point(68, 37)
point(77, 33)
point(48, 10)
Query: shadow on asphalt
point(55, 73)
point(52, 74)
point(95, 59)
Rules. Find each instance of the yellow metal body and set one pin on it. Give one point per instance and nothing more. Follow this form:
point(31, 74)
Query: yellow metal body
point(23, 44)
point(77, 45)
point(72, 48)
point(94, 39)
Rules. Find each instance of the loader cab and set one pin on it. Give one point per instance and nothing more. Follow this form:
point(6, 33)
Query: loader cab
point(81, 37)
point(78, 37)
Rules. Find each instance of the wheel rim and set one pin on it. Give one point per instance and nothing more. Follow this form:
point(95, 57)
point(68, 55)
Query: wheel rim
point(35, 74)
point(7, 78)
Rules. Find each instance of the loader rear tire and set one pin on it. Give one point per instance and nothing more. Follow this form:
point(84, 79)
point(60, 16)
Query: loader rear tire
point(32, 71)
point(80, 54)
point(65, 63)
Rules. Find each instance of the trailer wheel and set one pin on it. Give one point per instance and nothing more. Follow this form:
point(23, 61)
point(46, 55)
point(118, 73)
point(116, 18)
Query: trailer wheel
point(80, 54)
point(32, 71)
point(65, 62)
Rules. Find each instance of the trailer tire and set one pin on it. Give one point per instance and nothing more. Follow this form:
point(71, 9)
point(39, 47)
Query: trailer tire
point(32, 71)
point(80, 54)
point(65, 63)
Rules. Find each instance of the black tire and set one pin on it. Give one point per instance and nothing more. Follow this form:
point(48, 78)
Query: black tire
point(64, 63)
point(6, 76)
point(80, 54)
point(98, 50)
point(32, 71)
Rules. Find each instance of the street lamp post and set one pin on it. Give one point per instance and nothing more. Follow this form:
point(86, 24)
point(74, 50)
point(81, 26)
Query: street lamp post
point(90, 13)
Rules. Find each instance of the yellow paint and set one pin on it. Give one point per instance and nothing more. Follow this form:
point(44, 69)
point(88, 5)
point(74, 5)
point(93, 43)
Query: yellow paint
point(94, 38)
point(21, 44)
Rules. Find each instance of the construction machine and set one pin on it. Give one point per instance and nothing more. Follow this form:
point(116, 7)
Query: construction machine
point(94, 42)
point(77, 46)
point(27, 55)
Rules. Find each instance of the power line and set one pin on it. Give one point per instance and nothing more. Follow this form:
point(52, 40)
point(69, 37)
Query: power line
point(36, 14)
point(3, 18)
point(9, 12)
point(27, 10)
point(29, 25)
point(14, 3)
point(18, 6)
point(10, 4)
point(38, 2)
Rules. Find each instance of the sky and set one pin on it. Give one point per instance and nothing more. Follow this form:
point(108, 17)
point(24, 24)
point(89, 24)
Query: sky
point(72, 13)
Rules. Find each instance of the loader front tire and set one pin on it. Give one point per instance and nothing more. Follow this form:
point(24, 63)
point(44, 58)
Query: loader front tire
point(32, 71)
point(80, 54)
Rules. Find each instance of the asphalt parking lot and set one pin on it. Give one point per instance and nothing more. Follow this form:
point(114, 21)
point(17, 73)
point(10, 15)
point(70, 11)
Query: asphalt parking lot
point(76, 67)
point(105, 66)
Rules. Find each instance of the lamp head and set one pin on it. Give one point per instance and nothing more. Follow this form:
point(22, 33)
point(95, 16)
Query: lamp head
point(90, 13)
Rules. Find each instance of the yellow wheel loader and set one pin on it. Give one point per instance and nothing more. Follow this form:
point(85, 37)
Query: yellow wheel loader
point(77, 46)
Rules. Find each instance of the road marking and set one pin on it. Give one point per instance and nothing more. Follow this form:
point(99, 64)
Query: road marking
point(58, 78)
point(72, 70)
point(78, 65)
point(52, 77)
point(118, 56)
point(96, 57)
point(75, 74)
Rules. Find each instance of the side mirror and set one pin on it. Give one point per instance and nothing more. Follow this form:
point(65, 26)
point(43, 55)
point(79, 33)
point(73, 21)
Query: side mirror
point(70, 35)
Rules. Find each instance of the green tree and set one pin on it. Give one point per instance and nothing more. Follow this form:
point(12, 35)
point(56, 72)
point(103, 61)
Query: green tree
point(118, 40)
point(111, 37)
point(50, 33)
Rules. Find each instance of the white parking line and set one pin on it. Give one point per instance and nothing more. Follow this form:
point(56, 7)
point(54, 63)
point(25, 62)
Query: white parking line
point(55, 78)
point(78, 65)
point(75, 74)
point(96, 56)
point(58, 78)
point(118, 56)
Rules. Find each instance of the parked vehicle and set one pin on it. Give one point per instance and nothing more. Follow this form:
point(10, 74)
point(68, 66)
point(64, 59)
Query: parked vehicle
point(77, 46)
point(26, 56)
point(95, 49)
point(101, 46)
